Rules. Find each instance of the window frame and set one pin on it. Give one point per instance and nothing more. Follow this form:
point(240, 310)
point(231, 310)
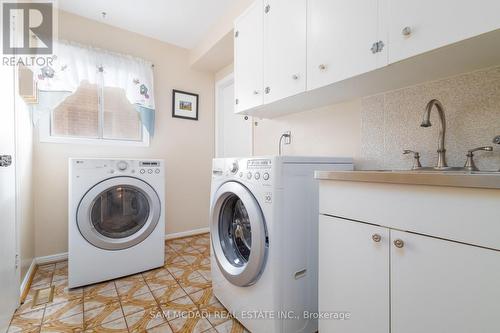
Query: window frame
point(45, 133)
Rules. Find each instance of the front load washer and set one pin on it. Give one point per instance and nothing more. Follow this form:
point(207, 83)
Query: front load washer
point(264, 236)
point(116, 218)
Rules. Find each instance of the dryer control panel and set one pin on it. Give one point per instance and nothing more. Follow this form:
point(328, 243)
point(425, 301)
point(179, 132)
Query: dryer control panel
point(117, 167)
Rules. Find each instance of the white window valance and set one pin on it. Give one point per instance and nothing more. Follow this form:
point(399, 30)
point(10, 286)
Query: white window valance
point(74, 63)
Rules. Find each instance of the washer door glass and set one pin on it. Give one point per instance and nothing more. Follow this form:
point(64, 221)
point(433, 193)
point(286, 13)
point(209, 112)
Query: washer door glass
point(120, 211)
point(239, 234)
point(235, 231)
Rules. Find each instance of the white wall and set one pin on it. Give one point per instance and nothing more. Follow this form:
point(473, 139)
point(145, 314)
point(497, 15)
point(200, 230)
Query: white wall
point(330, 131)
point(187, 146)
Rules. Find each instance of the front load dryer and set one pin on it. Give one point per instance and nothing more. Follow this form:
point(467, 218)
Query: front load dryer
point(116, 218)
point(264, 236)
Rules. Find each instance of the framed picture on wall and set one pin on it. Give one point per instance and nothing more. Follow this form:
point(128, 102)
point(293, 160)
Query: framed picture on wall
point(184, 105)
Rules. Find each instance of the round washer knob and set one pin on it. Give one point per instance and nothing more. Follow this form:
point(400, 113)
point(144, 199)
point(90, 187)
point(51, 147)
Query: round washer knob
point(234, 167)
point(150, 171)
point(122, 165)
point(157, 170)
point(257, 176)
point(249, 175)
point(142, 171)
point(266, 176)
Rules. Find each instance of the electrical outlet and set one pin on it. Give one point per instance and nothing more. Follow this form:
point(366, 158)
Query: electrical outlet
point(288, 137)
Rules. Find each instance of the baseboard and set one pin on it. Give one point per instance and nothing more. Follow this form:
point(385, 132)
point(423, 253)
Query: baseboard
point(52, 258)
point(64, 256)
point(26, 282)
point(187, 233)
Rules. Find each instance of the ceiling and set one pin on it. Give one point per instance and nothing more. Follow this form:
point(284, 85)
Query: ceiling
point(179, 22)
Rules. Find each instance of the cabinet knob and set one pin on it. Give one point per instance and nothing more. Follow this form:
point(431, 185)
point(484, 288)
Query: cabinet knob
point(377, 47)
point(406, 31)
point(376, 238)
point(295, 76)
point(399, 243)
point(268, 90)
point(322, 67)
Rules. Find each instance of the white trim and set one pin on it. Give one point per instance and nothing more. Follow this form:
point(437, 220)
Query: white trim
point(187, 233)
point(27, 276)
point(52, 258)
point(219, 85)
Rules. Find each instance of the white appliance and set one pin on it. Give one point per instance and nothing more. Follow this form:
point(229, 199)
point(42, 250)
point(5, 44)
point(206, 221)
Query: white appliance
point(116, 218)
point(264, 233)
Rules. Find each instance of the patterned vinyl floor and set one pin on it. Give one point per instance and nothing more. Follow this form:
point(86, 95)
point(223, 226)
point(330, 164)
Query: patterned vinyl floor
point(172, 299)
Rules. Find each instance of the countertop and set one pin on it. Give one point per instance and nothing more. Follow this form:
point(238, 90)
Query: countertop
point(489, 180)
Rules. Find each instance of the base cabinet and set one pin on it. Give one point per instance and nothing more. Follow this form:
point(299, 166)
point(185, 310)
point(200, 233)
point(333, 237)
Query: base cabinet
point(353, 276)
point(402, 282)
point(442, 286)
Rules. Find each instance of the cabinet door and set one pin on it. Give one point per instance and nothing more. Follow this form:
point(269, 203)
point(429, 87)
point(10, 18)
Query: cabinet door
point(441, 286)
point(340, 39)
point(353, 276)
point(431, 24)
point(248, 58)
point(285, 33)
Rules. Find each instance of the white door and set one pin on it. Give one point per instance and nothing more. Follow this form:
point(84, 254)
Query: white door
point(234, 131)
point(9, 280)
point(353, 275)
point(285, 33)
point(118, 213)
point(431, 24)
point(341, 35)
point(248, 58)
point(441, 286)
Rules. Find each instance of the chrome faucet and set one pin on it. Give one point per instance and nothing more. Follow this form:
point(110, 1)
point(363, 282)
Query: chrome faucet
point(426, 122)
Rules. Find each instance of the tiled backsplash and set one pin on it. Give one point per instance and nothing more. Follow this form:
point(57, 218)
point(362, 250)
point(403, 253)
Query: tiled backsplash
point(391, 122)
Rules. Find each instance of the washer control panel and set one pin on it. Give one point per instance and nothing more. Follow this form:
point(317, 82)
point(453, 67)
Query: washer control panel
point(258, 170)
point(149, 167)
point(255, 170)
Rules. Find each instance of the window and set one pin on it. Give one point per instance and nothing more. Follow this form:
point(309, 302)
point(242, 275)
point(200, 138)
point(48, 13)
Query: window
point(94, 114)
point(89, 95)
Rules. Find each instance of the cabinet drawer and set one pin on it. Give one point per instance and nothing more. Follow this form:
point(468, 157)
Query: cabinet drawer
point(465, 215)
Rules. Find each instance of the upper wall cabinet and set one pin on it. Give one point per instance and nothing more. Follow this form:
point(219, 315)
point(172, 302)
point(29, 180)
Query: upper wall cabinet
point(423, 25)
point(248, 58)
point(285, 33)
point(298, 55)
point(345, 38)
